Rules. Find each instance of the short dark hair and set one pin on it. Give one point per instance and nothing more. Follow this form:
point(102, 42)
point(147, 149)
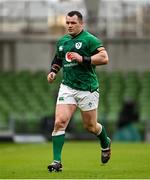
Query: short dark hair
point(77, 13)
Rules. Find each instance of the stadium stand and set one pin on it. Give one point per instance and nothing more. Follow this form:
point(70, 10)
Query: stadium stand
point(26, 98)
point(144, 97)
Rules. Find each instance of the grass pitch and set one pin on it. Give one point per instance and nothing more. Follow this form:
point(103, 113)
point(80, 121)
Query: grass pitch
point(81, 160)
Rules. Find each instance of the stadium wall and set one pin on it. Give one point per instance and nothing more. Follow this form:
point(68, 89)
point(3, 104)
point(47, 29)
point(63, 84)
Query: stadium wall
point(124, 55)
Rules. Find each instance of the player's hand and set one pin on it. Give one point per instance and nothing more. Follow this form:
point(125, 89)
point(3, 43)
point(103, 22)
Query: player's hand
point(51, 77)
point(75, 57)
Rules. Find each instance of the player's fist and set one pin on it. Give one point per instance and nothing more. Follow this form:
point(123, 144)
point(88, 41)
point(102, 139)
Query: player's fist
point(51, 77)
point(75, 57)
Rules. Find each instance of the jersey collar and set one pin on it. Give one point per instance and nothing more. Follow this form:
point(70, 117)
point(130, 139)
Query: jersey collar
point(77, 35)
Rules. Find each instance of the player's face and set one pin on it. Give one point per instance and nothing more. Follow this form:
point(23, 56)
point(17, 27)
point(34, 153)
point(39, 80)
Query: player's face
point(74, 25)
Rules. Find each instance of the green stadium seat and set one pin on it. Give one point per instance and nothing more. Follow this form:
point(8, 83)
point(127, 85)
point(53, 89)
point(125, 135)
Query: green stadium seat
point(3, 120)
point(78, 123)
point(28, 94)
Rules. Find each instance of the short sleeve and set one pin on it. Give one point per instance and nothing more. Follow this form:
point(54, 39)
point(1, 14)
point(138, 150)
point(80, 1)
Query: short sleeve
point(94, 43)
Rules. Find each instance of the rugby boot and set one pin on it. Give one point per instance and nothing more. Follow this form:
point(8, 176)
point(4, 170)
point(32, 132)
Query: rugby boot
point(55, 166)
point(106, 153)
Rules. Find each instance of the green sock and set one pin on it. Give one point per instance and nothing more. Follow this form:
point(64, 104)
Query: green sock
point(58, 142)
point(104, 140)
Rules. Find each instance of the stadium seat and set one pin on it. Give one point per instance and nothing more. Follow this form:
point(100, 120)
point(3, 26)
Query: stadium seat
point(27, 95)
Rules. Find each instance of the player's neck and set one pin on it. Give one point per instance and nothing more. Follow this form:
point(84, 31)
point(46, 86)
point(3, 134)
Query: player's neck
point(75, 35)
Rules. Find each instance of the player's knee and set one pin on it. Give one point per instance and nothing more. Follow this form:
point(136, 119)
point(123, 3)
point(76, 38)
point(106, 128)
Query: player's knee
point(59, 124)
point(90, 128)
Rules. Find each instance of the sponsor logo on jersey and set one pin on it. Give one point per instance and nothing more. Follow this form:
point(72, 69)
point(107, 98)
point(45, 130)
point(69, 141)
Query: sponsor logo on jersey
point(68, 57)
point(71, 64)
point(78, 45)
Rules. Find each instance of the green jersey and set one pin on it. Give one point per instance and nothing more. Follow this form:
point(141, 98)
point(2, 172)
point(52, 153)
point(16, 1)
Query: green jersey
point(78, 75)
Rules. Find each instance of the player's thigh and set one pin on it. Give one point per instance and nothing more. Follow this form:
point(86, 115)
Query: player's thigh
point(89, 118)
point(64, 112)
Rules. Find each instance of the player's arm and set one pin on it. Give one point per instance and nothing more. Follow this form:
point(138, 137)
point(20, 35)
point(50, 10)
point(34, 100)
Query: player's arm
point(100, 57)
point(55, 67)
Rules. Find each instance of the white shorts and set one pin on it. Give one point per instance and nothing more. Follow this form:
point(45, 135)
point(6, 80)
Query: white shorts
point(85, 100)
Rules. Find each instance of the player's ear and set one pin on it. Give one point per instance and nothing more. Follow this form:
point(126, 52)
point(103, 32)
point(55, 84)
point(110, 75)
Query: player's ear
point(81, 22)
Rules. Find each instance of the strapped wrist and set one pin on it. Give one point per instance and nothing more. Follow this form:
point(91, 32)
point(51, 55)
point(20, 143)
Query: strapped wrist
point(86, 60)
point(55, 68)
